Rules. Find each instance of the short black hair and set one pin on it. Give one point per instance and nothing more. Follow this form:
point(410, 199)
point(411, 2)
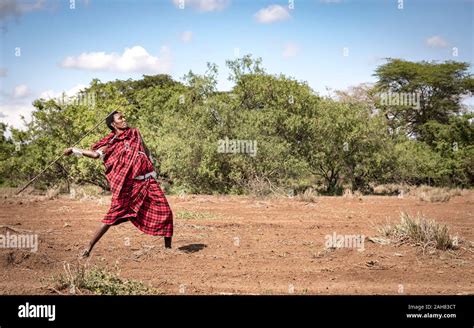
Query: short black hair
point(110, 119)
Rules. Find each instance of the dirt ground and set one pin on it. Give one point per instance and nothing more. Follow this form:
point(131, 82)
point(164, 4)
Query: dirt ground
point(244, 245)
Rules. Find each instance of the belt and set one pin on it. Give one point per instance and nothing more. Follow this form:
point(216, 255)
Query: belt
point(146, 176)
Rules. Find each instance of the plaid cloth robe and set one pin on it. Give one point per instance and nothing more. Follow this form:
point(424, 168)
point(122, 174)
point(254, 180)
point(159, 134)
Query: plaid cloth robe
point(140, 201)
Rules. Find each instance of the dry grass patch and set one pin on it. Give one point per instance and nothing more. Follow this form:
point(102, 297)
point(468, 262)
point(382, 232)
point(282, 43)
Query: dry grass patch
point(422, 232)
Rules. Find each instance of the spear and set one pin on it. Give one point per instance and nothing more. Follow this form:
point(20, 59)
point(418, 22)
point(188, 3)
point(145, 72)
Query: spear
point(60, 156)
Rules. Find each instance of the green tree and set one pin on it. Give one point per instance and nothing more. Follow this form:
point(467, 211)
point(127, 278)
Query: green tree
point(440, 87)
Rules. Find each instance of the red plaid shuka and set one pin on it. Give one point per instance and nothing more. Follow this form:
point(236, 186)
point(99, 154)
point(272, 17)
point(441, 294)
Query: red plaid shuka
point(140, 201)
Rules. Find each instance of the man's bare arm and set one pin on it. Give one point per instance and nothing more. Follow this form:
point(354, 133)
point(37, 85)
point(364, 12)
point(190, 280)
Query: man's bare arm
point(88, 153)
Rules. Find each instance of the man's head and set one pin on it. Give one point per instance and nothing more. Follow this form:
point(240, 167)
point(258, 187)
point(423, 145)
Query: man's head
point(116, 121)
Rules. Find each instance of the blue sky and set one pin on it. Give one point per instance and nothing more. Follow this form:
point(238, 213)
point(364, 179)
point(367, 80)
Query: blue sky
point(63, 49)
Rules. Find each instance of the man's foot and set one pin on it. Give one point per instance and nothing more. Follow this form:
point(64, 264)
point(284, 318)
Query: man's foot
point(167, 242)
point(172, 251)
point(85, 253)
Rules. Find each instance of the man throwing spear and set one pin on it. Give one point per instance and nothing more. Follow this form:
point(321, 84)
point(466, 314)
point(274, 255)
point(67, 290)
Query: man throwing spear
point(136, 195)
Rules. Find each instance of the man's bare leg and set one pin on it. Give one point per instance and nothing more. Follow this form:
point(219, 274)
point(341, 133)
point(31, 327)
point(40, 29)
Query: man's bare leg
point(99, 233)
point(167, 242)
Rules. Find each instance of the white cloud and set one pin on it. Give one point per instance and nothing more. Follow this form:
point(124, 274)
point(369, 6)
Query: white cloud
point(290, 50)
point(436, 42)
point(21, 91)
point(11, 108)
point(11, 114)
point(187, 36)
point(203, 5)
point(135, 59)
point(272, 14)
point(17, 8)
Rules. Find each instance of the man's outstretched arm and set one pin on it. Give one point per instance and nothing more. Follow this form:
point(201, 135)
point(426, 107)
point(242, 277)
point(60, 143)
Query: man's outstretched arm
point(99, 153)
